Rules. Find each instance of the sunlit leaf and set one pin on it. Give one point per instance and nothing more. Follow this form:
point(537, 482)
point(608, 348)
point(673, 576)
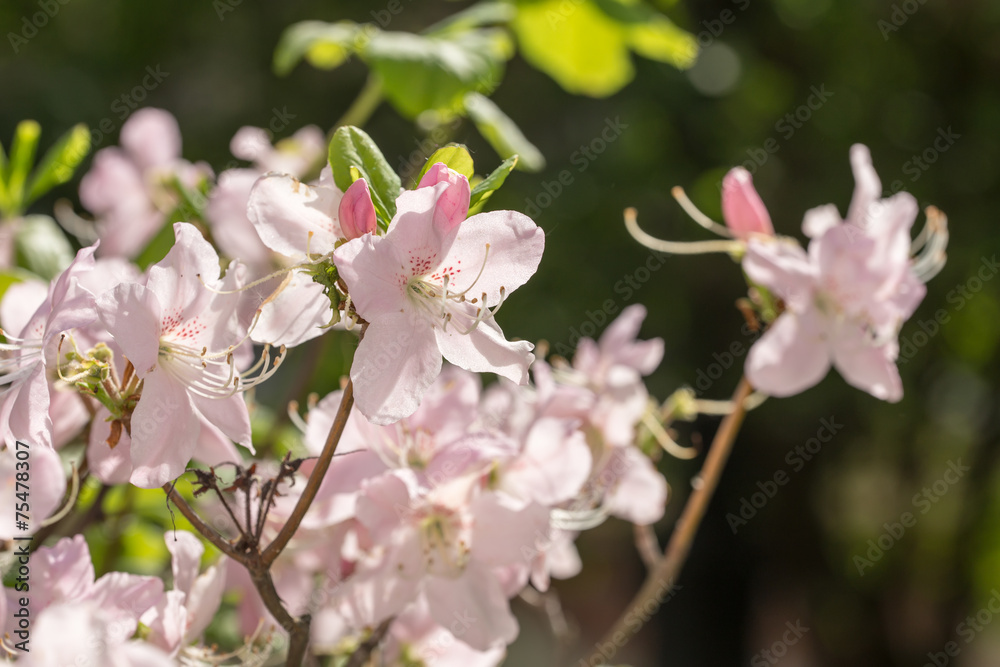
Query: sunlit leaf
point(584, 45)
point(324, 45)
point(454, 156)
point(60, 162)
point(430, 73)
point(354, 155)
point(483, 190)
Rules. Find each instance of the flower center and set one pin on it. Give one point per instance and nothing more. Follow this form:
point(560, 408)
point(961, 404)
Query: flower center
point(433, 295)
point(443, 538)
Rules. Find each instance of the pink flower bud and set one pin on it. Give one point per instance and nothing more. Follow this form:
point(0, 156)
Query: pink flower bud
point(453, 206)
point(742, 208)
point(357, 212)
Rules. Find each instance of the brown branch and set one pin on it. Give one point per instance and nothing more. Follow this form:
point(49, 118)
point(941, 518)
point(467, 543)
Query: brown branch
point(208, 532)
point(364, 651)
point(315, 479)
point(647, 546)
point(661, 578)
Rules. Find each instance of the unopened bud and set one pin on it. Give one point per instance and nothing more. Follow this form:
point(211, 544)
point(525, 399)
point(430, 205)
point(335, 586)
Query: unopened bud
point(742, 208)
point(357, 212)
point(453, 206)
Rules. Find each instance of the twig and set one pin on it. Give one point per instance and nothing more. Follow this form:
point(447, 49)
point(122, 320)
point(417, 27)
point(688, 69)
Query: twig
point(647, 546)
point(364, 651)
point(679, 546)
point(207, 532)
point(315, 479)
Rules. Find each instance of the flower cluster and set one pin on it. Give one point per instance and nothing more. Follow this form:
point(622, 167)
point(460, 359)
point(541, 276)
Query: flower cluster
point(446, 498)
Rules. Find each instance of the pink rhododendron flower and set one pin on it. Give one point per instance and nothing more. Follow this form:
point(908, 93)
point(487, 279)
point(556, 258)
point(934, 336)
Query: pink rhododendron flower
point(27, 364)
point(227, 203)
point(125, 186)
point(442, 545)
point(742, 208)
point(64, 573)
point(300, 222)
point(180, 332)
point(426, 289)
point(81, 633)
point(845, 299)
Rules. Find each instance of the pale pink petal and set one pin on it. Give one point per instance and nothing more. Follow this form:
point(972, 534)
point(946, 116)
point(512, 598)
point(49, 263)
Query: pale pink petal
point(504, 531)
point(291, 217)
point(867, 187)
point(124, 597)
point(61, 573)
point(214, 447)
point(229, 414)
point(111, 466)
point(639, 492)
point(791, 356)
point(179, 280)
point(186, 551)
point(232, 230)
point(25, 412)
point(783, 267)
point(394, 364)
point(369, 267)
point(379, 503)
point(817, 220)
point(515, 249)
point(742, 208)
point(865, 366)
point(203, 600)
point(132, 315)
point(295, 315)
point(453, 206)
point(68, 414)
point(486, 350)
point(250, 143)
point(357, 212)
point(473, 606)
point(151, 137)
point(19, 304)
point(449, 406)
point(164, 431)
point(554, 465)
point(167, 621)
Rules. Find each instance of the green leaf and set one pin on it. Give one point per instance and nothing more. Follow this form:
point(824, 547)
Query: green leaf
point(22, 157)
point(41, 246)
point(158, 248)
point(324, 45)
point(584, 45)
point(454, 156)
point(663, 41)
point(485, 188)
point(580, 47)
point(502, 133)
point(476, 16)
point(12, 276)
point(353, 150)
point(60, 162)
point(435, 73)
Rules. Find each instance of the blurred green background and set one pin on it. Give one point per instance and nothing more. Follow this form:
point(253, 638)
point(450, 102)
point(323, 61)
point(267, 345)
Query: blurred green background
point(896, 77)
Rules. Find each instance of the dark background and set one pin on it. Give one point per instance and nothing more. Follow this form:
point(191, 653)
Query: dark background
point(892, 90)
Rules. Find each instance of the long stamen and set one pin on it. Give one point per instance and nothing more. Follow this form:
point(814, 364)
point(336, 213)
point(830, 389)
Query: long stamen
point(676, 247)
point(696, 215)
